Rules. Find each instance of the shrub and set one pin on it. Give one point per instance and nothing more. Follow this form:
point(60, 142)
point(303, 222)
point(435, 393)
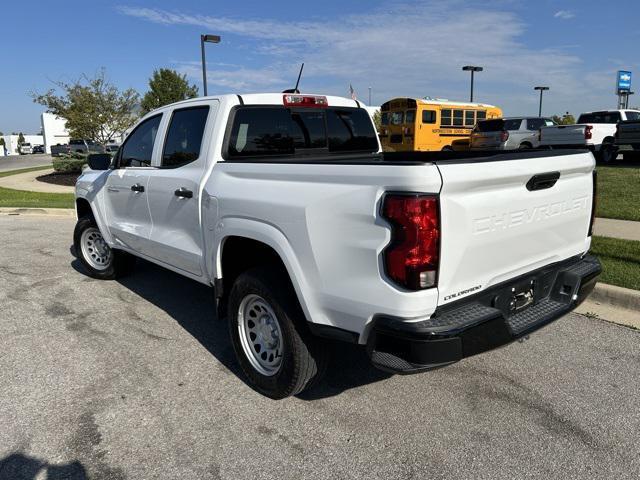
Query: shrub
point(72, 163)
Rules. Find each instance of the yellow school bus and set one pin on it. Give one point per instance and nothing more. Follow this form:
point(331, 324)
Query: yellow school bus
point(409, 124)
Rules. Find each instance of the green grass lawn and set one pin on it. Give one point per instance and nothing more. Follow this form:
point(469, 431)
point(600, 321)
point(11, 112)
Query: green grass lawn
point(23, 198)
point(619, 193)
point(620, 261)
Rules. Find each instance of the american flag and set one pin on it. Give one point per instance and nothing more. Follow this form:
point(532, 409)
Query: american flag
point(352, 92)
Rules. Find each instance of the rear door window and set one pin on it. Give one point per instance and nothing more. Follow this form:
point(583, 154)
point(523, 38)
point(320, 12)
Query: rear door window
point(534, 124)
point(184, 136)
point(410, 117)
point(271, 131)
point(397, 118)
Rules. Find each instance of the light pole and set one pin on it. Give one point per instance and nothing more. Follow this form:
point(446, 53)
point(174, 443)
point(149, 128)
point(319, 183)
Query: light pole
point(472, 69)
point(542, 89)
point(369, 96)
point(629, 93)
point(203, 39)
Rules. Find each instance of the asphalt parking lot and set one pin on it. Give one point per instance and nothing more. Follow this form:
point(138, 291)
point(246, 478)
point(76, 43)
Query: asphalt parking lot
point(135, 379)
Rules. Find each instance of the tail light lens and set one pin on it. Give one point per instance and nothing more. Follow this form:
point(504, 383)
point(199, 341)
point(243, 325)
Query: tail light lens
point(504, 136)
point(587, 132)
point(412, 258)
point(594, 202)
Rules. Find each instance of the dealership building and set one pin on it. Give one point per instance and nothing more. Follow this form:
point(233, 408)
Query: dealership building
point(54, 131)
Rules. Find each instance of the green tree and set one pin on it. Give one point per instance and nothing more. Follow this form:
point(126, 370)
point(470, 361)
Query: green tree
point(94, 108)
point(166, 86)
point(377, 120)
point(566, 119)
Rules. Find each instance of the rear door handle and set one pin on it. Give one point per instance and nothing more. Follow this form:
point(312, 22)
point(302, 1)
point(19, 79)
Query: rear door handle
point(137, 188)
point(542, 181)
point(183, 193)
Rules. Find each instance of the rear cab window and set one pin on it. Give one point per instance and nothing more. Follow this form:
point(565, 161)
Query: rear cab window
point(267, 131)
point(184, 136)
point(600, 117)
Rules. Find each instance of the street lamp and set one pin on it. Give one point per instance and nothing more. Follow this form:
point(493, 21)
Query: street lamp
point(369, 96)
point(210, 39)
point(472, 69)
point(542, 89)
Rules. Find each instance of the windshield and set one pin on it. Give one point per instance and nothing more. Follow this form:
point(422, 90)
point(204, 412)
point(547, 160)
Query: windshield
point(397, 118)
point(496, 125)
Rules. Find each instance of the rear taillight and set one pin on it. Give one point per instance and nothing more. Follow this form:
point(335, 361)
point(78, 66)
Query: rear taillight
point(412, 258)
point(594, 202)
point(504, 136)
point(305, 101)
point(587, 132)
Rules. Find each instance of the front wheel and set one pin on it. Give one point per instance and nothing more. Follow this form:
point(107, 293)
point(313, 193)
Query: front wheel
point(273, 345)
point(99, 260)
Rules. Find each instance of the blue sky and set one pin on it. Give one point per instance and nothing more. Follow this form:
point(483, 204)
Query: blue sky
point(399, 48)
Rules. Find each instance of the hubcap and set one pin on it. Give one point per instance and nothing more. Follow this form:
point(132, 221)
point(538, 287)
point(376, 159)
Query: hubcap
point(95, 250)
point(260, 334)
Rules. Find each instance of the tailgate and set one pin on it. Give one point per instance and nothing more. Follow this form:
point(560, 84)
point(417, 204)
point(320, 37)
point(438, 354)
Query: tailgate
point(486, 139)
point(629, 132)
point(563, 135)
point(494, 228)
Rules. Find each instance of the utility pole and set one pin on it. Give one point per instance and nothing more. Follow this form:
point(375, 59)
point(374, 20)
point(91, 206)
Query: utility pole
point(542, 89)
point(472, 69)
point(208, 39)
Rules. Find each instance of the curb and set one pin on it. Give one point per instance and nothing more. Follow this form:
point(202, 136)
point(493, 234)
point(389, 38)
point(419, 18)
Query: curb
point(59, 212)
point(616, 296)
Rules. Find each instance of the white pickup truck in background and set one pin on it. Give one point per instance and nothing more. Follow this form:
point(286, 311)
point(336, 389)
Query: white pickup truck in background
point(594, 130)
point(284, 204)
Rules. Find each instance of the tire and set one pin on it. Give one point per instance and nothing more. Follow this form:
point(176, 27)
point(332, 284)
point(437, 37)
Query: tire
point(525, 146)
point(96, 257)
point(294, 359)
point(607, 153)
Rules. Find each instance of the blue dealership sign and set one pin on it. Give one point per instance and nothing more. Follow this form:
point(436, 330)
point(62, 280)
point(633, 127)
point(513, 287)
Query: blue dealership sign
point(624, 80)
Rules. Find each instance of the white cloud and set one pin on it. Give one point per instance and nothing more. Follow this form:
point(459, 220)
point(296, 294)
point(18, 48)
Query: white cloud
point(407, 49)
point(564, 14)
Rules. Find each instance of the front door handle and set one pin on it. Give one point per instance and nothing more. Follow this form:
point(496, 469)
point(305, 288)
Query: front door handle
point(137, 188)
point(112, 189)
point(183, 193)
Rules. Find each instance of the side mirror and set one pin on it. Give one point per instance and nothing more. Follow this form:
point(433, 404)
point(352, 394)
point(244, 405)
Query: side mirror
point(99, 161)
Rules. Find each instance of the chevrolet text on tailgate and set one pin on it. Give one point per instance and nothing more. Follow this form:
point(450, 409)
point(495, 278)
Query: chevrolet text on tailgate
point(285, 205)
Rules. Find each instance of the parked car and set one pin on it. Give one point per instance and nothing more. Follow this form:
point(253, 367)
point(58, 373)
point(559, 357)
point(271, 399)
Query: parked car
point(59, 149)
point(25, 149)
point(85, 146)
point(594, 130)
point(38, 149)
point(627, 138)
point(111, 147)
point(285, 205)
point(508, 133)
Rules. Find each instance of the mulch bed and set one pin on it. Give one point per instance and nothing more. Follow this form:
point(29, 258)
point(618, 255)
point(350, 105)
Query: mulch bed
point(66, 179)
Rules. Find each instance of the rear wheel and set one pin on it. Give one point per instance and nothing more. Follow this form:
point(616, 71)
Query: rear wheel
point(99, 260)
point(525, 146)
point(273, 345)
point(607, 153)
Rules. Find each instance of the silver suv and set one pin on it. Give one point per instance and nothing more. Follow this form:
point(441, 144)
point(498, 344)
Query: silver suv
point(510, 133)
point(85, 146)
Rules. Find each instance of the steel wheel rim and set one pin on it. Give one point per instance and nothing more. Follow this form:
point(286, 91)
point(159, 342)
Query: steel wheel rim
point(260, 335)
point(95, 250)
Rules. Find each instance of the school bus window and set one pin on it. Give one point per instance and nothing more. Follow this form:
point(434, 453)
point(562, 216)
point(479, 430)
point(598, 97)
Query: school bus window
point(445, 118)
point(428, 116)
point(384, 118)
point(457, 118)
point(469, 118)
point(397, 118)
point(410, 116)
point(482, 114)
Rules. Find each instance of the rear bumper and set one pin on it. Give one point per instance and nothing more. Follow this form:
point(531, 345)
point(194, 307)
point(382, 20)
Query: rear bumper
point(481, 322)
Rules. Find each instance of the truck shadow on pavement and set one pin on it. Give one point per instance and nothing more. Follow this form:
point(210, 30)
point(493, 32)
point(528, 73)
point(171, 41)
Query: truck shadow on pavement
point(192, 305)
point(18, 466)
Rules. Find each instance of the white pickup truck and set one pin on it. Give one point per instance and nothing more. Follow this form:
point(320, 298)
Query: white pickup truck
point(594, 130)
point(285, 205)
